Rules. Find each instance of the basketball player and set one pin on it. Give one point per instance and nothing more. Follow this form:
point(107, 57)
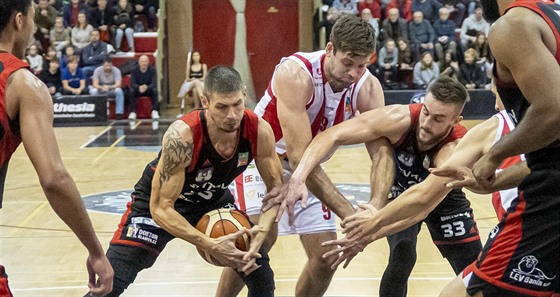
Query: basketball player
point(421, 136)
point(201, 154)
point(26, 115)
point(308, 93)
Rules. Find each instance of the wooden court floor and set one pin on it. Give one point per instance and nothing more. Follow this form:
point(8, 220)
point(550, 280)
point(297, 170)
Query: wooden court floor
point(43, 258)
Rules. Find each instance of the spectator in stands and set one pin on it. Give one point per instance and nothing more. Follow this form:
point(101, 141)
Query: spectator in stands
point(148, 8)
point(68, 52)
point(124, 22)
point(35, 60)
point(52, 78)
point(394, 27)
point(70, 12)
point(444, 28)
point(449, 66)
point(425, 71)
point(194, 79)
point(73, 79)
point(48, 56)
point(405, 54)
point(422, 36)
point(81, 32)
point(143, 82)
point(45, 16)
point(472, 74)
point(346, 6)
point(387, 61)
point(457, 9)
point(328, 22)
point(59, 35)
point(404, 8)
point(483, 50)
point(106, 80)
point(101, 18)
point(374, 7)
point(366, 16)
point(471, 26)
point(429, 9)
point(94, 54)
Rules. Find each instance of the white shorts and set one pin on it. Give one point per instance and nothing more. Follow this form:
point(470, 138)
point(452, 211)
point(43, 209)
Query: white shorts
point(249, 190)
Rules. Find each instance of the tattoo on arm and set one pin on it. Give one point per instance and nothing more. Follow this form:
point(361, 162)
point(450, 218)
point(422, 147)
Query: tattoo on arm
point(176, 152)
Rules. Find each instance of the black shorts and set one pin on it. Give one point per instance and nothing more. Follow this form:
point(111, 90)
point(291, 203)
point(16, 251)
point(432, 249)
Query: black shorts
point(522, 254)
point(137, 228)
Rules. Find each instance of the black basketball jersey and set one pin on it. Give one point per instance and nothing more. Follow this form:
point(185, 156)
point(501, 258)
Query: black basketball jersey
point(411, 165)
point(208, 176)
point(515, 103)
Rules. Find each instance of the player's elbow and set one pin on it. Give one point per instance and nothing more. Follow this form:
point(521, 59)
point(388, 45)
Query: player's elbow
point(56, 181)
point(158, 213)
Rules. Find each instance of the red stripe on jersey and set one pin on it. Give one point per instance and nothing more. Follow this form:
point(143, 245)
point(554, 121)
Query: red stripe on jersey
point(250, 129)
point(496, 260)
point(306, 62)
point(240, 193)
point(193, 120)
point(271, 115)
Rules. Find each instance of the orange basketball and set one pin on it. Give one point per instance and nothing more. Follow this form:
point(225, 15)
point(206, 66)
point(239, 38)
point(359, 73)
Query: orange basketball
point(220, 222)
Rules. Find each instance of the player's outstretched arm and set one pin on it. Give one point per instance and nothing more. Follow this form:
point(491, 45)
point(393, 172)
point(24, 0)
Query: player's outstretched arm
point(539, 126)
point(35, 120)
point(382, 173)
point(169, 178)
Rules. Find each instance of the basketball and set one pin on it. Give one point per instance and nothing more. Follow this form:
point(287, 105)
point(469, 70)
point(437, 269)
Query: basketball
point(220, 222)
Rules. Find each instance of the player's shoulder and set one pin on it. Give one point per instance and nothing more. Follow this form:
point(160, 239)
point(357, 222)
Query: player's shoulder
point(517, 19)
point(25, 86)
point(179, 131)
point(290, 70)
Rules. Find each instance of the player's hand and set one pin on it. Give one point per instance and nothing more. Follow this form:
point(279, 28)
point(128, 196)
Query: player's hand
point(257, 238)
point(99, 266)
point(346, 249)
point(462, 178)
point(359, 224)
point(293, 191)
point(484, 171)
point(226, 254)
point(272, 198)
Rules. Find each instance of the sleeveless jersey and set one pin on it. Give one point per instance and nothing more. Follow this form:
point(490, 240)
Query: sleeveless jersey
point(411, 164)
point(502, 200)
point(10, 137)
point(514, 101)
point(324, 109)
point(209, 174)
point(196, 74)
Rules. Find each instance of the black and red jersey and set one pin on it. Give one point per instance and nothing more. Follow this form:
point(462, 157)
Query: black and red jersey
point(411, 164)
point(515, 103)
point(10, 137)
point(208, 176)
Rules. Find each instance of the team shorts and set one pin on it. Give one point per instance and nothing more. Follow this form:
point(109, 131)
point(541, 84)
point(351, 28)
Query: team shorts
point(4, 288)
point(249, 190)
point(522, 254)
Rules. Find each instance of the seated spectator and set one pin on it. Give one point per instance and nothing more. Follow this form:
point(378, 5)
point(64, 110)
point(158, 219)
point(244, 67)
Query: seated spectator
point(471, 26)
point(48, 56)
point(472, 74)
point(70, 13)
point(52, 78)
point(68, 52)
point(456, 10)
point(366, 16)
point(328, 22)
point(101, 18)
point(148, 8)
point(35, 60)
point(483, 50)
point(143, 82)
point(425, 71)
point(45, 16)
point(388, 63)
point(429, 9)
point(81, 32)
point(194, 79)
point(422, 36)
point(106, 80)
point(405, 54)
point(394, 27)
point(59, 36)
point(73, 79)
point(346, 6)
point(94, 54)
point(449, 66)
point(57, 4)
point(444, 28)
point(124, 22)
point(374, 7)
point(404, 8)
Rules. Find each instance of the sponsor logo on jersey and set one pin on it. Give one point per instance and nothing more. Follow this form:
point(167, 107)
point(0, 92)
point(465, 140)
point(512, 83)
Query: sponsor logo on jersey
point(204, 174)
point(527, 272)
point(242, 159)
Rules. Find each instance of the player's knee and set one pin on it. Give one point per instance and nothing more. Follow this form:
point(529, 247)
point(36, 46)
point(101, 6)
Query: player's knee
point(403, 256)
point(261, 281)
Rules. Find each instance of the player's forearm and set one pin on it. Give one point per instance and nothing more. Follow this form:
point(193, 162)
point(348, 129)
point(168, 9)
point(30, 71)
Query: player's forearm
point(321, 186)
point(316, 151)
point(171, 221)
point(510, 177)
point(382, 177)
point(266, 221)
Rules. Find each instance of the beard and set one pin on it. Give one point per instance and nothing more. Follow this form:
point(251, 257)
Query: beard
point(491, 10)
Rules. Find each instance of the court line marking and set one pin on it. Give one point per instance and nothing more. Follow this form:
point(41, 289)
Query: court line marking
point(97, 136)
point(32, 215)
point(106, 151)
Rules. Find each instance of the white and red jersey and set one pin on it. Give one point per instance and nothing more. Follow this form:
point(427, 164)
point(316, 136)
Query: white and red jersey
point(324, 109)
point(502, 200)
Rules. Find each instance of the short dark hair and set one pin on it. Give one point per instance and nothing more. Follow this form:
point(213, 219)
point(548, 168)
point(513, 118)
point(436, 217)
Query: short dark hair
point(222, 80)
point(54, 60)
point(108, 59)
point(9, 7)
point(449, 90)
point(352, 34)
